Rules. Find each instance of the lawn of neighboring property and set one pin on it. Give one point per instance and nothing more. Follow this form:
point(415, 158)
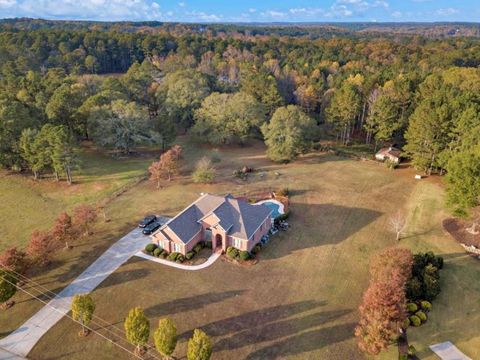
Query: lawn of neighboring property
point(300, 301)
point(27, 205)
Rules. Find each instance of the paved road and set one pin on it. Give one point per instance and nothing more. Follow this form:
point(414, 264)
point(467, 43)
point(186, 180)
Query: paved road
point(21, 341)
point(201, 266)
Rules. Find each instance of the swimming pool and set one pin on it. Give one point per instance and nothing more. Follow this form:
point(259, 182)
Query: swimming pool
point(276, 206)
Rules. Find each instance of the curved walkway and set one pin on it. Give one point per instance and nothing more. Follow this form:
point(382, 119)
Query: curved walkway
point(204, 265)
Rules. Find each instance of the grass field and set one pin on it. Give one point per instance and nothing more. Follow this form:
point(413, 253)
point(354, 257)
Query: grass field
point(28, 205)
point(300, 301)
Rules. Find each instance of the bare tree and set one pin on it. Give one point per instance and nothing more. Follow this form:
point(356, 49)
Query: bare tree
point(398, 222)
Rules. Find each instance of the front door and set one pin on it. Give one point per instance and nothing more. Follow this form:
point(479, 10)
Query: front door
point(218, 241)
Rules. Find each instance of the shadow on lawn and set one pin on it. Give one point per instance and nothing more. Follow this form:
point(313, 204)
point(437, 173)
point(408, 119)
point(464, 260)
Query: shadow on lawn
point(305, 342)
point(280, 323)
point(315, 225)
point(185, 304)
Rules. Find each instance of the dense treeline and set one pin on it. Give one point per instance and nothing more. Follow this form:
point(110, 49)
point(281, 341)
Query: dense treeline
point(420, 93)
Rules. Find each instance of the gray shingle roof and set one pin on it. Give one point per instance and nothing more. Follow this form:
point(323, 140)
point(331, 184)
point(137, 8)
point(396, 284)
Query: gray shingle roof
point(238, 218)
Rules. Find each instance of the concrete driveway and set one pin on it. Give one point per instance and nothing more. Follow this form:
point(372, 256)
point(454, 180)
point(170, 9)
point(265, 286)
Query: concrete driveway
point(21, 341)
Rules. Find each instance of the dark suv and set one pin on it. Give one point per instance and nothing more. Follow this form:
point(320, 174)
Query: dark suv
point(150, 228)
point(147, 220)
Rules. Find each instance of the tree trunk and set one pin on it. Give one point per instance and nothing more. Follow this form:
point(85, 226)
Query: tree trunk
point(35, 175)
point(56, 176)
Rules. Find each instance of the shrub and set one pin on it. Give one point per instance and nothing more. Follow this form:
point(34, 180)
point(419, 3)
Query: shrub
point(244, 255)
point(157, 252)
point(412, 308)
point(197, 248)
point(189, 255)
point(421, 315)
point(164, 254)
point(173, 256)
point(391, 164)
point(283, 217)
point(256, 249)
point(415, 320)
point(180, 258)
point(426, 305)
point(232, 253)
point(425, 284)
point(412, 351)
point(403, 357)
point(406, 323)
point(204, 171)
point(150, 248)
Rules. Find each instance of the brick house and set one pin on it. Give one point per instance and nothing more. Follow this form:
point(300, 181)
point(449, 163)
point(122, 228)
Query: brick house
point(223, 220)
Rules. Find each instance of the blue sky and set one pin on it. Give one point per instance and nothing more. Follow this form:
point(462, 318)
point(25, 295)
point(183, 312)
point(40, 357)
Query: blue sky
point(246, 10)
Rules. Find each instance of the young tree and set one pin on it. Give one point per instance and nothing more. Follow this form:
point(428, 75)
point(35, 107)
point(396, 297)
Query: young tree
point(289, 133)
point(397, 223)
point(199, 346)
point(63, 230)
point(165, 337)
point(14, 260)
point(84, 216)
point(137, 328)
point(204, 172)
point(41, 247)
point(166, 167)
point(7, 288)
point(83, 307)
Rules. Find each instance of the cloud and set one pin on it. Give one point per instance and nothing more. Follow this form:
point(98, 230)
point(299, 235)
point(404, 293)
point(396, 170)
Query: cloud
point(7, 3)
point(252, 10)
point(347, 8)
point(182, 4)
point(85, 9)
point(203, 17)
point(307, 11)
point(397, 14)
point(446, 11)
point(274, 14)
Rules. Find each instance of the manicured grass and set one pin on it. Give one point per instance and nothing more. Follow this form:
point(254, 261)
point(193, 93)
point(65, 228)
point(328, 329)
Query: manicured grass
point(28, 205)
point(300, 301)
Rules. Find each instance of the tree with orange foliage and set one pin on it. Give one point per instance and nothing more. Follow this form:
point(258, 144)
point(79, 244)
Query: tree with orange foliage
point(84, 216)
point(383, 311)
point(41, 247)
point(63, 230)
point(382, 314)
point(14, 260)
point(383, 264)
point(167, 166)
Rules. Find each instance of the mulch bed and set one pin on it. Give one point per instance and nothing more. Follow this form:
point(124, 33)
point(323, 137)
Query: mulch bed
point(457, 229)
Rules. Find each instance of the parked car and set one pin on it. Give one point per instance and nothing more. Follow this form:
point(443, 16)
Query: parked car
point(150, 228)
point(147, 220)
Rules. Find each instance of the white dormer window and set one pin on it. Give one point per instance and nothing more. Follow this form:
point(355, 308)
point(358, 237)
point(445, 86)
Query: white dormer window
point(237, 243)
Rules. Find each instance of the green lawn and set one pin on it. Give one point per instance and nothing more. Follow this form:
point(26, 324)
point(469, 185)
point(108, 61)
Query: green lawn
point(300, 301)
point(28, 205)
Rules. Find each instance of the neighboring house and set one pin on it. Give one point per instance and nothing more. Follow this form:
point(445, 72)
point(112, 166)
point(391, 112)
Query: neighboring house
point(391, 153)
point(224, 220)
